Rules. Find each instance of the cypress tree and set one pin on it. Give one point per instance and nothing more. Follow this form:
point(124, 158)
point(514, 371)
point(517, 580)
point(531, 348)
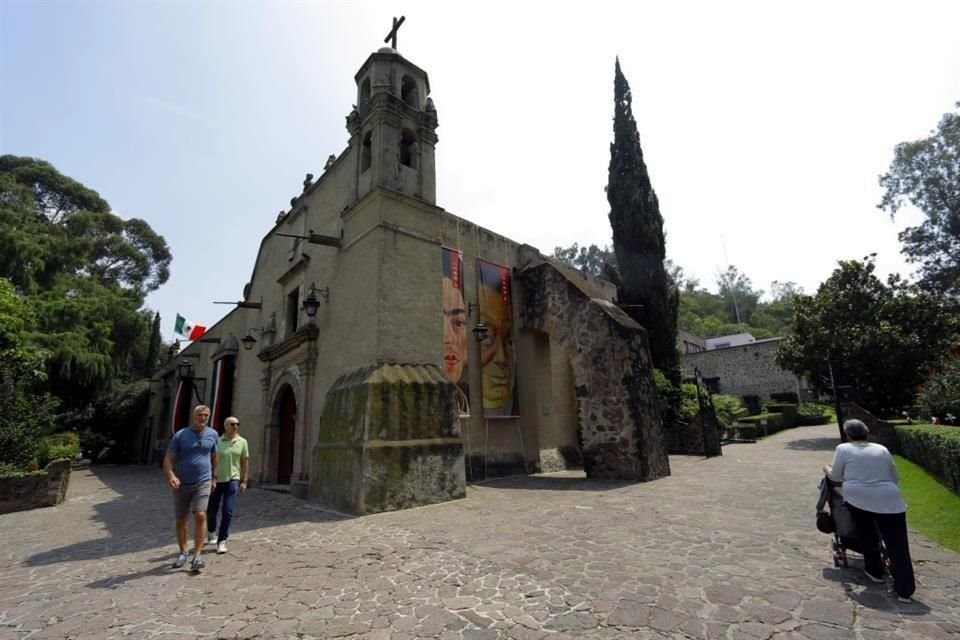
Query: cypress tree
point(152, 361)
point(645, 289)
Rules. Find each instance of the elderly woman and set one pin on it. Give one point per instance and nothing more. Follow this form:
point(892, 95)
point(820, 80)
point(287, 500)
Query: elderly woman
point(869, 477)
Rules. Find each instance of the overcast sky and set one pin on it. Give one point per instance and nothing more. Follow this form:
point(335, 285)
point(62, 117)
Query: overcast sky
point(764, 125)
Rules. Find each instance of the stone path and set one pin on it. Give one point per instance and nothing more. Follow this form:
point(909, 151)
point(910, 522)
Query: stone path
point(724, 548)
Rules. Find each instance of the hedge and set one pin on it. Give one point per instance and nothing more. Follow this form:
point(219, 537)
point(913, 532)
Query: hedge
point(750, 426)
point(788, 413)
point(935, 448)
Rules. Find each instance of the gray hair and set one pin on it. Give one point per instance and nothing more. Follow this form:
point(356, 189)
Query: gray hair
point(855, 430)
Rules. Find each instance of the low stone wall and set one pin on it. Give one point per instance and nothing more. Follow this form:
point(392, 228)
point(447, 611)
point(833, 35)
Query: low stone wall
point(881, 431)
point(692, 439)
point(20, 494)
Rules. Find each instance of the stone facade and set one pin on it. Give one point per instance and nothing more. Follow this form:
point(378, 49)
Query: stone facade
point(620, 428)
point(20, 494)
point(748, 369)
point(346, 406)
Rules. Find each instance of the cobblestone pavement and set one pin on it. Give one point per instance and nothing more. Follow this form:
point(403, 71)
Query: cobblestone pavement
point(724, 548)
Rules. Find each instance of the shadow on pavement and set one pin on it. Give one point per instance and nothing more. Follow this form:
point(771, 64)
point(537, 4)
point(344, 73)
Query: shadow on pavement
point(872, 596)
point(813, 444)
point(140, 517)
point(550, 482)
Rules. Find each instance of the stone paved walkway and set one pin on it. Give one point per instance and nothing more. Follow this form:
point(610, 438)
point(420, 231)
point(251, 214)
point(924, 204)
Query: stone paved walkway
point(724, 548)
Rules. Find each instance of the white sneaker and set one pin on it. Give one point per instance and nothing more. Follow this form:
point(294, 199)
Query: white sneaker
point(211, 537)
point(222, 546)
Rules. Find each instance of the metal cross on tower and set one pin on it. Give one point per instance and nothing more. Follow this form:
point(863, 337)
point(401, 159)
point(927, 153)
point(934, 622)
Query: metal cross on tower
point(392, 36)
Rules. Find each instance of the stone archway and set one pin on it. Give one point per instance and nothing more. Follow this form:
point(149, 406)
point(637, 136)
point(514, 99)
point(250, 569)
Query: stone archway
point(620, 428)
point(283, 425)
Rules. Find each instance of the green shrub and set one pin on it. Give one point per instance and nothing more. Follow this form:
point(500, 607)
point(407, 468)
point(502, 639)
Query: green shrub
point(57, 446)
point(728, 409)
point(940, 393)
point(748, 431)
point(935, 448)
point(788, 413)
point(8, 470)
point(668, 398)
point(810, 413)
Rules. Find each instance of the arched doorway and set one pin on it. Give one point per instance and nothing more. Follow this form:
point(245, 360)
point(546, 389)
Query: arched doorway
point(287, 422)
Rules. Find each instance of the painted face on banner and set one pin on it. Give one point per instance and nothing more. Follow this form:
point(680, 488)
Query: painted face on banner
point(454, 331)
point(497, 350)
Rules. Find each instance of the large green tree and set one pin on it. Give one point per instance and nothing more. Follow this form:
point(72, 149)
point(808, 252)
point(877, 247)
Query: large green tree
point(926, 173)
point(592, 259)
point(739, 296)
point(638, 239)
point(26, 410)
point(877, 336)
point(84, 272)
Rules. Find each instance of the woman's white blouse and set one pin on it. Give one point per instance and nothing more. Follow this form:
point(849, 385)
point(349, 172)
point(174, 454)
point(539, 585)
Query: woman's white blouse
point(869, 477)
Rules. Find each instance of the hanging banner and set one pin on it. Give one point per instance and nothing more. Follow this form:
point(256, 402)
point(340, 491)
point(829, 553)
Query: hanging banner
point(176, 417)
point(497, 357)
point(216, 393)
point(455, 327)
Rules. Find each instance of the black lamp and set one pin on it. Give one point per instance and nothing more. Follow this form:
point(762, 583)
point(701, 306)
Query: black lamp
point(480, 332)
point(311, 303)
point(185, 369)
point(248, 341)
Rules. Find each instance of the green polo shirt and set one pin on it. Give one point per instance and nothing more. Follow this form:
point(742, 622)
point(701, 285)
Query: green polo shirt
point(231, 452)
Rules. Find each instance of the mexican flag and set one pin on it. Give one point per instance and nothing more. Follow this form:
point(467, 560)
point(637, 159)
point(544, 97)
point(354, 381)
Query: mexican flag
point(187, 329)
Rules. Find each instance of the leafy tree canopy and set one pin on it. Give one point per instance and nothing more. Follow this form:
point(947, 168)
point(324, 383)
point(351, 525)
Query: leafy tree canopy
point(926, 173)
point(877, 336)
point(51, 225)
point(83, 273)
point(597, 261)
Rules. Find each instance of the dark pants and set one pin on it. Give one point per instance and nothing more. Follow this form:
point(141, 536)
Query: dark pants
point(892, 528)
point(226, 495)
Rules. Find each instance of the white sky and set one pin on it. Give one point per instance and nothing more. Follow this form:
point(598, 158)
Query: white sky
point(764, 125)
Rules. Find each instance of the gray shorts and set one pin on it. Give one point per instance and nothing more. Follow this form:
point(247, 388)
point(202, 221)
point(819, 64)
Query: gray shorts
point(191, 497)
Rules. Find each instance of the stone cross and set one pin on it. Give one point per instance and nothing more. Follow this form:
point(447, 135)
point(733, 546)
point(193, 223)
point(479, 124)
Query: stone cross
point(392, 36)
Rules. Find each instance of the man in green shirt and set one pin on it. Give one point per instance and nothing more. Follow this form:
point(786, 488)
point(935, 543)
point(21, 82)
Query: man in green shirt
point(233, 473)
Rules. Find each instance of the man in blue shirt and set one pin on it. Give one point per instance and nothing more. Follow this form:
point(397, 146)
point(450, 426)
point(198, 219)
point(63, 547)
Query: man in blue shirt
point(189, 464)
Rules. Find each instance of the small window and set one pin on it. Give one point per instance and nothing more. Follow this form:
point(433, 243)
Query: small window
point(409, 93)
point(293, 311)
point(365, 92)
point(366, 151)
point(408, 149)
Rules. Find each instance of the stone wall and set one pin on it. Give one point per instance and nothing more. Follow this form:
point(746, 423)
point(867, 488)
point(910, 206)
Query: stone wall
point(620, 428)
point(881, 431)
point(692, 439)
point(746, 370)
point(19, 494)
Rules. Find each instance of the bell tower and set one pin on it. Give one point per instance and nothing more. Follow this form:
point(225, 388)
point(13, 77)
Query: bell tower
point(393, 127)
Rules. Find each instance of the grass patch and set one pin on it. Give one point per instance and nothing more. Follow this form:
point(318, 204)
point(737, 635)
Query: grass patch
point(933, 510)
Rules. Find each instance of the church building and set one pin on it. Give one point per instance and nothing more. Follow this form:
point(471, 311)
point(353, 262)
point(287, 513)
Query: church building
point(387, 352)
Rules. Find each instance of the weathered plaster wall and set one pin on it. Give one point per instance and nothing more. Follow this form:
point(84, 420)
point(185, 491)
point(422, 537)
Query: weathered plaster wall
point(390, 439)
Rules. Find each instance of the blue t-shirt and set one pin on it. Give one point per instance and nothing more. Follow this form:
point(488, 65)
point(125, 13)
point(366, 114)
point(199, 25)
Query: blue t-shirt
point(193, 451)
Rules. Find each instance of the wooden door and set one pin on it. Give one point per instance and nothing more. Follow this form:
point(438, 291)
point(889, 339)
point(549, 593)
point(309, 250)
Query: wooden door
point(288, 424)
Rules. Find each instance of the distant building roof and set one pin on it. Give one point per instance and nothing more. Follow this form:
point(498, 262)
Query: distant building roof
point(733, 340)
